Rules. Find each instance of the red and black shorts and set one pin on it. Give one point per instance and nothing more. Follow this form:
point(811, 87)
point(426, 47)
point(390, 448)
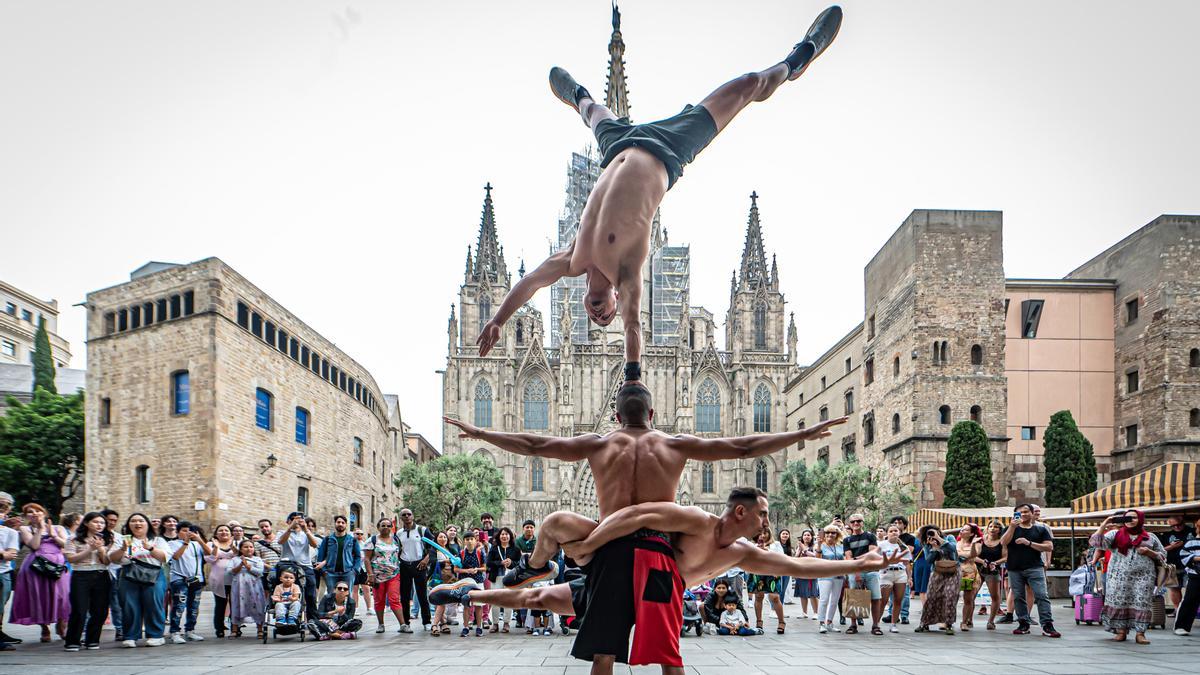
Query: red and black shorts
point(632, 581)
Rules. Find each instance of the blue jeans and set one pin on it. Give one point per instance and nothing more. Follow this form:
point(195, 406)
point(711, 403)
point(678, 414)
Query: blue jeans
point(783, 588)
point(142, 607)
point(743, 631)
point(184, 598)
point(1036, 578)
point(114, 602)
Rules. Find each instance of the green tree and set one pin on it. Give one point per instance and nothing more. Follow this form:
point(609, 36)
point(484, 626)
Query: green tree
point(1069, 459)
point(43, 360)
point(453, 489)
point(814, 496)
point(968, 481)
point(41, 449)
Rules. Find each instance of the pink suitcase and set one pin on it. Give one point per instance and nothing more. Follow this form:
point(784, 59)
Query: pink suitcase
point(1087, 608)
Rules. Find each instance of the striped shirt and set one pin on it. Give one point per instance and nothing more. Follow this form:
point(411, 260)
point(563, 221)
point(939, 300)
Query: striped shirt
point(1189, 555)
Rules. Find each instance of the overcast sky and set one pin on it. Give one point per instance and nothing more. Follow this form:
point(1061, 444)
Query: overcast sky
point(335, 153)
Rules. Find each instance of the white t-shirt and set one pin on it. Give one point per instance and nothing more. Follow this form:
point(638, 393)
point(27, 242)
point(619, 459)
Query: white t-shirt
point(139, 550)
point(733, 618)
point(9, 539)
point(887, 548)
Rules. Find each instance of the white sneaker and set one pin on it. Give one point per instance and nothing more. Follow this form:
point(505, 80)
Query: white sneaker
point(380, 629)
point(803, 615)
point(893, 629)
point(155, 642)
point(178, 639)
point(1180, 631)
point(822, 629)
point(129, 643)
point(834, 627)
point(193, 636)
point(404, 628)
point(428, 627)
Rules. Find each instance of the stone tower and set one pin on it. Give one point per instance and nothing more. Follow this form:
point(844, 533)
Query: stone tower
point(486, 280)
point(616, 92)
point(755, 320)
point(933, 353)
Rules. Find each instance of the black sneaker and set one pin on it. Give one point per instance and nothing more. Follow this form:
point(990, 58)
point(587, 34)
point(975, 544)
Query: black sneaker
point(5, 637)
point(1048, 631)
point(820, 35)
point(565, 88)
point(1021, 629)
point(887, 619)
point(522, 576)
point(452, 593)
point(1007, 618)
point(904, 620)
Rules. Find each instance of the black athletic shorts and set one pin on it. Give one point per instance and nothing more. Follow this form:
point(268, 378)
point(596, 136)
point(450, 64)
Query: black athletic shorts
point(610, 603)
point(675, 141)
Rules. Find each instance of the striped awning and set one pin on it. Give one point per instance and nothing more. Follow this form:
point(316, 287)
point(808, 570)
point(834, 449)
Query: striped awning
point(1058, 519)
point(1171, 483)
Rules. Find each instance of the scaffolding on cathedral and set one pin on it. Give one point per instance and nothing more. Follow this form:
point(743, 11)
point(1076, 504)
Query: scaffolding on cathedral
point(671, 280)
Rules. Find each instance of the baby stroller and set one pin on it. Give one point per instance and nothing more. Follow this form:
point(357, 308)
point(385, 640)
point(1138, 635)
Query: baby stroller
point(693, 618)
point(273, 628)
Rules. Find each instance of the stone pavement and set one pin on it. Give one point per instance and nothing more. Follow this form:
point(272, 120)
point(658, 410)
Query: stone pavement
point(802, 650)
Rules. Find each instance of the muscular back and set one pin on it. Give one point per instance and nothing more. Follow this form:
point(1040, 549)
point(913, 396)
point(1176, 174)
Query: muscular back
point(634, 466)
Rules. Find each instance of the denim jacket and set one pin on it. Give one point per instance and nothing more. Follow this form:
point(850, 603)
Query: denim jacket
point(351, 554)
point(947, 551)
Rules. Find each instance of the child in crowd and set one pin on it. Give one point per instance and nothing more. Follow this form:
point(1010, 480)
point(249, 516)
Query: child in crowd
point(287, 599)
point(474, 564)
point(732, 621)
point(246, 598)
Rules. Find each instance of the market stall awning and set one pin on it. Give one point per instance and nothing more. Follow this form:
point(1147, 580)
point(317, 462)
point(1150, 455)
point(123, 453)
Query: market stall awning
point(1173, 483)
point(1058, 519)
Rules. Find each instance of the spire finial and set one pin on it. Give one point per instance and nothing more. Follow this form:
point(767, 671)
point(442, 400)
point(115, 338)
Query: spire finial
point(754, 199)
point(488, 188)
point(616, 93)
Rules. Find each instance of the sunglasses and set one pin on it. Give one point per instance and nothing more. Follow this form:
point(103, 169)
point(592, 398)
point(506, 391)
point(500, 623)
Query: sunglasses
point(855, 522)
point(342, 588)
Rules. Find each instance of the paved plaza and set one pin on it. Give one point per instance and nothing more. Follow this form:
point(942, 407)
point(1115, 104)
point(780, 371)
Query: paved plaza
point(1081, 650)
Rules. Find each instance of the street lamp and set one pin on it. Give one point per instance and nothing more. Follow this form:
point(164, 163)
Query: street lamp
point(272, 461)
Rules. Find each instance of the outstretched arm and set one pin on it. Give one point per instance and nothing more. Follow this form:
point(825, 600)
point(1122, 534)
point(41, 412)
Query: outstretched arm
point(758, 561)
point(551, 270)
point(741, 447)
point(568, 449)
point(631, 312)
point(664, 516)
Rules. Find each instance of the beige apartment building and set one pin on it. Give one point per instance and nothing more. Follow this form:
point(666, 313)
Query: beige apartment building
point(20, 313)
point(946, 337)
point(209, 400)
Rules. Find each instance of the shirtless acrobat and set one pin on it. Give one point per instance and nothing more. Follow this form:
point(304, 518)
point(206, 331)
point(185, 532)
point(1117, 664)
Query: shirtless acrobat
point(641, 162)
point(705, 545)
point(631, 465)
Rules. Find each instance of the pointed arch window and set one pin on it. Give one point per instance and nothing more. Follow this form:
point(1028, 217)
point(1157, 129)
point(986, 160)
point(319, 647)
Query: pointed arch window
point(483, 404)
point(760, 325)
point(536, 398)
point(485, 311)
point(706, 478)
point(762, 409)
point(896, 423)
point(760, 475)
point(520, 333)
point(537, 475)
point(708, 407)
point(944, 415)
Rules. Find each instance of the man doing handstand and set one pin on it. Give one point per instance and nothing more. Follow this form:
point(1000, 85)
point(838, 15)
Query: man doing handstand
point(641, 162)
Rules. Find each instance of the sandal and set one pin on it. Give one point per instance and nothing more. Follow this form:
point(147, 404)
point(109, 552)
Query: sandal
point(445, 628)
point(495, 628)
point(876, 630)
point(779, 630)
point(504, 628)
point(852, 629)
point(991, 625)
point(1119, 637)
point(921, 629)
point(1141, 639)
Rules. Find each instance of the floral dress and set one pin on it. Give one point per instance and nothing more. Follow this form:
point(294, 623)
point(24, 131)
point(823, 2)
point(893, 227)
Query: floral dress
point(1129, 585)
point(759, 583)
point(248, 603)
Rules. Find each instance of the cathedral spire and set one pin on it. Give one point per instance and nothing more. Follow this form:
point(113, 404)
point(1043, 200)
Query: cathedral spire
point(616, 93)
point(489, 255)
point(774, 272)
point(754, 257)
point(470, 265)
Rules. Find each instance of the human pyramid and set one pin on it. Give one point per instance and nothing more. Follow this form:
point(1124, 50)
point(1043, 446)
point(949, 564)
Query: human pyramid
point(631, 575)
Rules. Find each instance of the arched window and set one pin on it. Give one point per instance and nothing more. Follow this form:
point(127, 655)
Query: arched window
point(944, 415)
point(976, 355)
point(520, 333)
point(706, 478)
point(485, 311)
point(936, 352)
point(483, 404)
point(301, 426)
point(760, 475)
point(762, 408)
point(976, 414)
point(945, 352)
point(849, 402)
point(358, 451)
point(355, 519)
point(536, 475)
point(896, 367)
point(708, 407)
point(537, 404)
point(181, 400)
point(896, 423)
point(302, 500)
point(760, 325)
point(262, 409)
point(1194, 358)
point(869, 429)
point(142, 484)
point(1194, 417)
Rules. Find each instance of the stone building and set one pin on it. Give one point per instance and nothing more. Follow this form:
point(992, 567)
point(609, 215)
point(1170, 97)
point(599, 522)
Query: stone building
point(209, 400)
point(945, 337)
point(20, 313)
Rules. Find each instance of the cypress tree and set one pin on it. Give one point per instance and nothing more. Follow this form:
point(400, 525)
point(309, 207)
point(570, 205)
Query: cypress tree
point(968, 482)
point(1069, 459)
point(43, 360)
